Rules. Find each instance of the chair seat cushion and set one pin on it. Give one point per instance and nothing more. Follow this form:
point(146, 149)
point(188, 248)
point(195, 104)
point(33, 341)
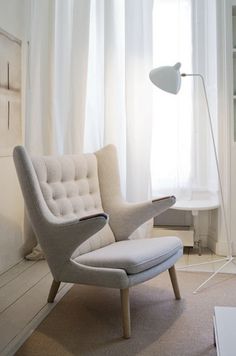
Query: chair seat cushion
point(134, 256)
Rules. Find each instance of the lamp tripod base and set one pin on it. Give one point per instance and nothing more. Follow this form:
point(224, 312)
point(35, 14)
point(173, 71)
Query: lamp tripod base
point(228, 260)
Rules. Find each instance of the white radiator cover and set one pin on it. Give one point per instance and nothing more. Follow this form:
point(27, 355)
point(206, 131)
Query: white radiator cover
point(185, 235)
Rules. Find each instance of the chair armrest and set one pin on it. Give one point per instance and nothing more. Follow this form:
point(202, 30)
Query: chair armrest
point(68, 235)
point(94, 216)
point(170, 198)
point(127, 217)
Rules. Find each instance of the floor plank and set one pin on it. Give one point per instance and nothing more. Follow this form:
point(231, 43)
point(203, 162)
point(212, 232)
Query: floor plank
point(26, 330)
point(19, 314)
point(17, 287)
point(13, 272)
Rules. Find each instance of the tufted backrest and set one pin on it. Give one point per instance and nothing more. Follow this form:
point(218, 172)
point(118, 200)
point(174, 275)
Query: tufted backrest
point(70, 187)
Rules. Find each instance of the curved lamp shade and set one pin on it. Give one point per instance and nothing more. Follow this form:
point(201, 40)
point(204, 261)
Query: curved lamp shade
point(167, 78)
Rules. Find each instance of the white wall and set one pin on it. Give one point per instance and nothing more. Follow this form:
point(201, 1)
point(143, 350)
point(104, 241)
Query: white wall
point(224, 52)
point(12, 19)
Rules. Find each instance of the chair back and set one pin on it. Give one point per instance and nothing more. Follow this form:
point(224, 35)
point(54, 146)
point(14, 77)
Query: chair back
point(67, 186)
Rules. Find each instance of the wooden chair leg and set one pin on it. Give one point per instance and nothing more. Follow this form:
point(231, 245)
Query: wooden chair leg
point(124, 294)
point(53, 291)
point(174, 282)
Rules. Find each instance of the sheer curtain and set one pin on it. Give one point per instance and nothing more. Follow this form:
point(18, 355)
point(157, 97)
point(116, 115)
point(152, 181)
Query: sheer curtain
point(119, 102)
point(172, 131)
point(57, 76)
point(182, 159)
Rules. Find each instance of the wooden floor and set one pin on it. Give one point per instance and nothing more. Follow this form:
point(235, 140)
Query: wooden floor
point(24, 289)
point(23, 302)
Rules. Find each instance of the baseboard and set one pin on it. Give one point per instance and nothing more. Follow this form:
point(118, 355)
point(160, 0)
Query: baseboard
point(220, 247)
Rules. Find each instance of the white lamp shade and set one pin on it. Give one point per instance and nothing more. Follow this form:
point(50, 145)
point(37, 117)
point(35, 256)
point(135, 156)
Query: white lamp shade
point(167, 78)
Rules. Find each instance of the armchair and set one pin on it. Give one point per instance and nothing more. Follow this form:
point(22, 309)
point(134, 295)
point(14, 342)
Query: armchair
point(83, 224)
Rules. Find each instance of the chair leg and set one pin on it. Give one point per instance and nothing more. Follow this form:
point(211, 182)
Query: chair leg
point(124, 294)
point(174, 282)
point(53, 291)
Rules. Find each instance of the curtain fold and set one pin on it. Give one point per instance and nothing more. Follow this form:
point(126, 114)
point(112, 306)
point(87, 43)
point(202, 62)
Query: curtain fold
point(182, 160)
point(138, 90)
point(58, 66)
point(172, 161)
point(38, 99)
point(121, 58)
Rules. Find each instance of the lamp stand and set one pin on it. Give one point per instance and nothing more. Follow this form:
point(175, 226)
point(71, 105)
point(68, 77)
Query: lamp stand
point(229, 257)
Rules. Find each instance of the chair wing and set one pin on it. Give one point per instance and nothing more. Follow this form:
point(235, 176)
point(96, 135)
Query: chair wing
point(125, 217)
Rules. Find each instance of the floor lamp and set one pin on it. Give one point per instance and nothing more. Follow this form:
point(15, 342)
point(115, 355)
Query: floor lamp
point(168, 78)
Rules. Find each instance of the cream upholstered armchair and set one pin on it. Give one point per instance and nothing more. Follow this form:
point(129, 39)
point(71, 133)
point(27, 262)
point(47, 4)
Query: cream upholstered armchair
point(83, 225)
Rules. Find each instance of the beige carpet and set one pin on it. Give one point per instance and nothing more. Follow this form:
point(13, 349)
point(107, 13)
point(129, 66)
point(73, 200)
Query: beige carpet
point(87, 320)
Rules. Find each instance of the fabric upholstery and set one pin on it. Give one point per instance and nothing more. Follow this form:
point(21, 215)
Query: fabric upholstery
point(69, 184)
point(113, 277)
point(70, 187)
point(68, 199)
point(125, 217)
point(133, 256)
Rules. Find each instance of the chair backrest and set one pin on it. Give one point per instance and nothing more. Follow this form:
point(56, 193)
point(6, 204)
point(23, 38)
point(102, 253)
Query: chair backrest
point(70, 188)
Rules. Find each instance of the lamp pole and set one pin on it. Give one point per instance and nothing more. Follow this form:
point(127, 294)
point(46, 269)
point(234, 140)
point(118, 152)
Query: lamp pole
point(168, 78)
point(229, 243)
point(229, 257)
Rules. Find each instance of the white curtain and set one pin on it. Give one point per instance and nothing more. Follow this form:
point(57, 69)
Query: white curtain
point(119, 103)
point(57, 76)
point(205, 63)
point(172, 131)
point(182, 159)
